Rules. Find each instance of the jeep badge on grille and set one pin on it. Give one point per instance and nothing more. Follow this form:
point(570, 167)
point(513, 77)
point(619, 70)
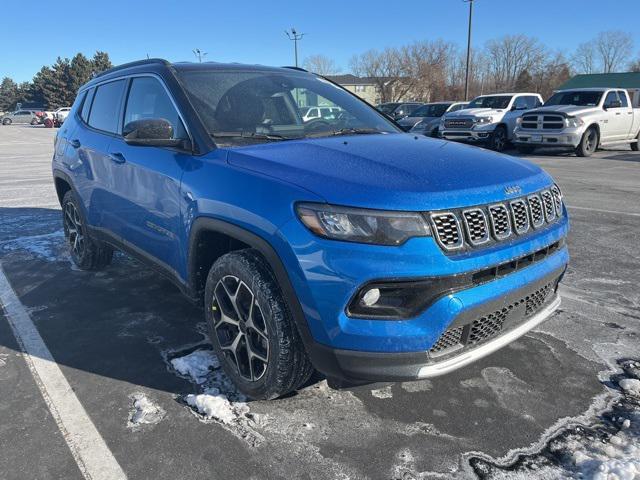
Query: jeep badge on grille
point(512, 190)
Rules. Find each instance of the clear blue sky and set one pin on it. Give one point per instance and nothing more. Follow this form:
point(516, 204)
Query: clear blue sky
point(252, 31)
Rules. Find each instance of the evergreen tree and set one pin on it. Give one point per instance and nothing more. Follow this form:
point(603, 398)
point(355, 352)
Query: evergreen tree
point(8, 94)
point(101, 62)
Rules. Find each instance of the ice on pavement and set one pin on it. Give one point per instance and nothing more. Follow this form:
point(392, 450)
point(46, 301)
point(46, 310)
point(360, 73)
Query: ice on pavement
point(144, 412)
point(631, 386)
point(48, 246)
point(197, 365)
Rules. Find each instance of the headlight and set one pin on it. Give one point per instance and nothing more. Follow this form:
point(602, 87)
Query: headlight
point(482, 120)
point(378, 227)
point(573, 122)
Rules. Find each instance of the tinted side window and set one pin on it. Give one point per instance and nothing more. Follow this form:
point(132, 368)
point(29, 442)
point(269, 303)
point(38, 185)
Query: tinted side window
point(148, 99)
point(623, 99)
point(86, 105)
point(106, 106)
point(611, 97)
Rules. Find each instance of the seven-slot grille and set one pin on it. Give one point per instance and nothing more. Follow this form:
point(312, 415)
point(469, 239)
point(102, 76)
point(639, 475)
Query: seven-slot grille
point(480, 225)
point(475, 223)
point(537, 215)
point(448, 231)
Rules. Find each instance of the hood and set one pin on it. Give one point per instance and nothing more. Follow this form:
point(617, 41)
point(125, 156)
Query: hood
point(408, 121)
point(565, 109)
point(475, 112)
point(392, 171)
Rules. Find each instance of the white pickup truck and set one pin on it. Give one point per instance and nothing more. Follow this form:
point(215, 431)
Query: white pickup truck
point(488, 119)
point(583, 119)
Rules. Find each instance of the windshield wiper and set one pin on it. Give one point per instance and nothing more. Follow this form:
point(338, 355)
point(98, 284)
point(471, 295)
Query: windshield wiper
point(345, 131)
point(250, 135)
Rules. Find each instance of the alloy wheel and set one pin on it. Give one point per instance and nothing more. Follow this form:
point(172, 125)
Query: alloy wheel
point(592, 139)
point(240, 327)
point(74, 229)
point(499, 140)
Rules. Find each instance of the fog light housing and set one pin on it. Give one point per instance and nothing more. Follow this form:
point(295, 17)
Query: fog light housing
point(371, 297)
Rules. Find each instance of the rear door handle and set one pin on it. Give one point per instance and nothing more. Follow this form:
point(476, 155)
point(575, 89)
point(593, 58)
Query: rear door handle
point(75, 143)
point(117, 157)
point(618, 113)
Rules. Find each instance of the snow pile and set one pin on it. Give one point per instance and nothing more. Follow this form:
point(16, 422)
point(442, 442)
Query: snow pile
point(197, 365)
point(144, 412)
point(631, 386)
point(215, 405)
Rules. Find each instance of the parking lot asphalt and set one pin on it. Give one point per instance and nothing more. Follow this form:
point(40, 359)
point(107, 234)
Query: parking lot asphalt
point(114, 334)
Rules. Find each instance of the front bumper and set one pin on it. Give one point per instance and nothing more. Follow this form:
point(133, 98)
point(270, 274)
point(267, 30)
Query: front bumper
point(565, 138)
point(473, 135)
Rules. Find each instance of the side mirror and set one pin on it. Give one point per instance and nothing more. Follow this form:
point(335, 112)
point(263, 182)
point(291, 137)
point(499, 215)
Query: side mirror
point(150, 132)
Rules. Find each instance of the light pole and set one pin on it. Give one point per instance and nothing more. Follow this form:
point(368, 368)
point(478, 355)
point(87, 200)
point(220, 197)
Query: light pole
point(199, 54)
point(466, 75)
point(295, 37)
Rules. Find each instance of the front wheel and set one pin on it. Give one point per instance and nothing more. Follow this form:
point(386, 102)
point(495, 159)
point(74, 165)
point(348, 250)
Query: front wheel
point(498, 140)
point(6, 121)
point(252, 329)
point(636, 145)
point(588, 143)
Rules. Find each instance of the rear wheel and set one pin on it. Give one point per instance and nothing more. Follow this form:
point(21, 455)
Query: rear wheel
point(251, 327)
point(636, 145)
point(6, 121)
point(589, 143)
point(86, 252)
point(498, 140)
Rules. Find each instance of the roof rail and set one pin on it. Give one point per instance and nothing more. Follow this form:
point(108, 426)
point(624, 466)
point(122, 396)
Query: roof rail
point(300, 69)
point(148, 61)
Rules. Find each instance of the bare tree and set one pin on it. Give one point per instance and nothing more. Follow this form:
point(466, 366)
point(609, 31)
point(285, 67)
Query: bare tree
point(321, 64)
point(635, 66)
point(384, 69)
point(510, 55)
point(584, 58)
point(613, 48)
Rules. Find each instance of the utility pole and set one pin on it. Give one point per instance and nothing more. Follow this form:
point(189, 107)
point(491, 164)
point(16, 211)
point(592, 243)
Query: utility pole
point(199, 54)
point(295, 37)
point(466, 76)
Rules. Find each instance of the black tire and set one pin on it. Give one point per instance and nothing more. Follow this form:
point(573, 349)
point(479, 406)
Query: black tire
point(499, 139)
point(34, 122)
point(262, 324)
point(589, 143)
point(636, 145)
point(86, 252)
point(6, 121)
point(525, 149)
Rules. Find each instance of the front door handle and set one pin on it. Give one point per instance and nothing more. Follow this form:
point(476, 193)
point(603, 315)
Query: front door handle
point(75, 143)
point(117, 157)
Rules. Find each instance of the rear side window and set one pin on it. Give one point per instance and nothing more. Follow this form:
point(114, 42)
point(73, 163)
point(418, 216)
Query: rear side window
point(106, 106)
point(148, 99)
point(86, 105)
point(623, 99)
point(611, 97)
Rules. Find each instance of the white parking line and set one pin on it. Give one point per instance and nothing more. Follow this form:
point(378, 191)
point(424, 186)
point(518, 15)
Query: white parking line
point(95, 460)
point(615, 212)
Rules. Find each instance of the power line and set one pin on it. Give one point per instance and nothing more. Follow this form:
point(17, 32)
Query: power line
point(295, 37)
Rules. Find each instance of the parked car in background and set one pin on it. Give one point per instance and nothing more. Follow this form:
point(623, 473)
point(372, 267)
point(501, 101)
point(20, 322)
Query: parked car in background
point(60, 115)
point(488, 119)
point(582, 119)
point(20, 116)
point(397, 110)
point(426, 119)
point(355, 256)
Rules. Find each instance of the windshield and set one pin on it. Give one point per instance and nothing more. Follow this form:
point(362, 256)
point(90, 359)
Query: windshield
point(435, 110)
point(240, 107)
point(496, 102)
point(582, 99)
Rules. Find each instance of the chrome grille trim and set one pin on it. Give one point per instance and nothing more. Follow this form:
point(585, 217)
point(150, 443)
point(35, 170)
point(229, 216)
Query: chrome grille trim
point(557, 199)
point(520, 216)
point(500, 221)
point(549, 205)
point(475, 223)
point(535, 207)
point(447, 230)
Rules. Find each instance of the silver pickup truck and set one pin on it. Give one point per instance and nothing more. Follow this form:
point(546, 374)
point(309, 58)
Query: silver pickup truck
point(582, 119)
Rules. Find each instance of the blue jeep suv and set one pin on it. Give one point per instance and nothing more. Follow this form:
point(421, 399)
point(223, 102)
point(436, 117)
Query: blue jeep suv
point(343, 245)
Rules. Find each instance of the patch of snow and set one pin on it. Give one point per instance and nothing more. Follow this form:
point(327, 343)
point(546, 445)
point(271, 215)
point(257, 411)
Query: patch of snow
point(197, 365)
point(382, 393)
point(417, 386)
point(212, 404)
point(144, 412)
point(47, 246)
point(3, 359)
point(631, 386)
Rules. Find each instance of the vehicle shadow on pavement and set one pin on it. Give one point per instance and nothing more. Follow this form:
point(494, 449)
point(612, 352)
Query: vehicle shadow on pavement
point(119, 324)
